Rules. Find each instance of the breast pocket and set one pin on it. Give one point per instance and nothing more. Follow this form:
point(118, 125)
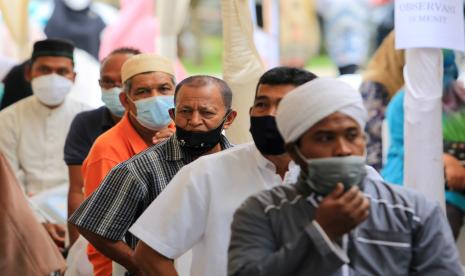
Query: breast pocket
point(378, 252)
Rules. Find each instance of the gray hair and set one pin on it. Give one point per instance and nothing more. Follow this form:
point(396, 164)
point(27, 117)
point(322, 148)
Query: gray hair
point(204, 80)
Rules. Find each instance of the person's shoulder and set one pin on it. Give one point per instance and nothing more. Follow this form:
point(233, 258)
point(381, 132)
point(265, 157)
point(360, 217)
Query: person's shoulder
point(219, 163)
point(107, 139)
point(108, 143)
point(234, 154)
point(153, 154)
point(420, 201)
point(25, 102)
point(403, 199)
point(18, 106)
point(76, 106)
point(274, 198)
point(91, 115)
point(161, 149)
point(85, 118)
point(393, 193)
point(8, 111)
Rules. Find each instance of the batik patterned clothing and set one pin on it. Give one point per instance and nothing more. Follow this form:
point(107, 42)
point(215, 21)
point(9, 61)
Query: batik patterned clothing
point(375, 98)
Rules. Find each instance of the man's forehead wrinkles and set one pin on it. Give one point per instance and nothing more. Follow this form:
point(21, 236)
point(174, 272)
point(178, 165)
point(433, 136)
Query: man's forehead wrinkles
point(195, 105)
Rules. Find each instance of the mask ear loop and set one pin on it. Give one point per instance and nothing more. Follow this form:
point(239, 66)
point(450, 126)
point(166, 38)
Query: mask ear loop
point(303, 171)
point(299, 153)
point(224, 121)
point(303, 188)
point(133, 102)
point(226, 116)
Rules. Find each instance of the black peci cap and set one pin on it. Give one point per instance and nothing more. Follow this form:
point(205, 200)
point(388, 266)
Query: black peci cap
point(53, 47)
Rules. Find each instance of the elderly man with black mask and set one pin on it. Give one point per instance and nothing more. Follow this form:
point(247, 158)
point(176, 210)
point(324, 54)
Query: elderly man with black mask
point(338, 218)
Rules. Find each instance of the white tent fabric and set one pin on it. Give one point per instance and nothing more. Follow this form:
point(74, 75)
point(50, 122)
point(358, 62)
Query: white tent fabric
point(16, 19)
point(86, 88)
point(242, 65)
point(171, 15)
point(423, 169)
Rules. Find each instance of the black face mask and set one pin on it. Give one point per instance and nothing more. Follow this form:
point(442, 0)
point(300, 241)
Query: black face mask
point(266, 135)
point(196, 142)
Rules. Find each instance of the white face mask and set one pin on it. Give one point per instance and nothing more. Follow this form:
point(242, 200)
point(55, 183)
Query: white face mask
point(77, 5)
point(51, 89)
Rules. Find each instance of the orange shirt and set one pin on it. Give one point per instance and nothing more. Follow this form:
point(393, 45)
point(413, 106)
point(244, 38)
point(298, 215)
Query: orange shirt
point(118, 144)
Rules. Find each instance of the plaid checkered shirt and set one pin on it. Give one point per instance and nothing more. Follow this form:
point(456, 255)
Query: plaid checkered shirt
point(129, 188)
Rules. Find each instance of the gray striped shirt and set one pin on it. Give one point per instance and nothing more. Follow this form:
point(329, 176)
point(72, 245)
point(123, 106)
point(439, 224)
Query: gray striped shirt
point(273, 233)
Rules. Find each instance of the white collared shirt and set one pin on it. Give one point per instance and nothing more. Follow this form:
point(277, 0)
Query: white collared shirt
point(32, 138)
point(196, 209)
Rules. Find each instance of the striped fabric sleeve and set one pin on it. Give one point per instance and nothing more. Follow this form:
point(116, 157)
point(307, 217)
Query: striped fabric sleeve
point(112, 208)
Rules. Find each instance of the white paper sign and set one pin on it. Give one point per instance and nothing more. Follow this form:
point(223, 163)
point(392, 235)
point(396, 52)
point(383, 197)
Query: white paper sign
point(429, 24)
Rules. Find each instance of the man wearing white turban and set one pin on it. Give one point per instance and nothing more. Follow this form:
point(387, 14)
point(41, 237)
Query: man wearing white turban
point(338, 219)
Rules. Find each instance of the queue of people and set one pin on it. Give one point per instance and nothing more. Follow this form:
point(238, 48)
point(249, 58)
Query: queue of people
point(156, 188)
point(153, 178)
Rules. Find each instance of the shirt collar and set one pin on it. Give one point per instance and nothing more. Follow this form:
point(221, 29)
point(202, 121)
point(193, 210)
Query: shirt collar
point(130, 134)
point(174, 151)
point(46, 110)
point(268, 165)
point(262, 162)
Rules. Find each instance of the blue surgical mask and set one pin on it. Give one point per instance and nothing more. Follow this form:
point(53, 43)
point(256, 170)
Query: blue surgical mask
point(323, 174)
point(111, 99)
point(152, 112)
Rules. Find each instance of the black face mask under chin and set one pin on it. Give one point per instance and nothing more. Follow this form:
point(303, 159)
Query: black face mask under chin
point(196, 142)
point(266, 135)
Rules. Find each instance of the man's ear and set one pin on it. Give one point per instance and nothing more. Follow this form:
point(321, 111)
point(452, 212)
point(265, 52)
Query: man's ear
point(124, 100)
point(171, 112)
point(291, 149)
point(74, 76)
point(230, 119)
point(28, 72)
point(250, 111)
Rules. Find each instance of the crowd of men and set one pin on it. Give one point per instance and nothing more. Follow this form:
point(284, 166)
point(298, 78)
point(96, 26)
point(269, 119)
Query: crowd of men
point(155, 185)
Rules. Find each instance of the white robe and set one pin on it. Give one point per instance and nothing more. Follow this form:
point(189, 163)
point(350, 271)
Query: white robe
point(32, 138)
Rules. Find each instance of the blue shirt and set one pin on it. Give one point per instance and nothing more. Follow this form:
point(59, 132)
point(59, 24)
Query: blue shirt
point(393, 170)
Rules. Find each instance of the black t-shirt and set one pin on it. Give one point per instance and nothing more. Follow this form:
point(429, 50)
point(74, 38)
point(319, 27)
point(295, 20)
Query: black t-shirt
point(85, 128)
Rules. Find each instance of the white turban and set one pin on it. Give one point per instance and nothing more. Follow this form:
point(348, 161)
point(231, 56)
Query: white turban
point(313, 101)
